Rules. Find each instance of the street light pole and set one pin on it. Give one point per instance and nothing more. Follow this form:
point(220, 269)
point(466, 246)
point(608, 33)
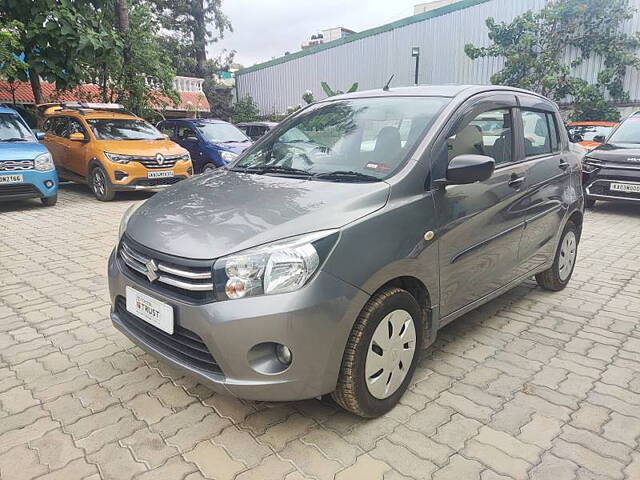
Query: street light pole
point(415, 52)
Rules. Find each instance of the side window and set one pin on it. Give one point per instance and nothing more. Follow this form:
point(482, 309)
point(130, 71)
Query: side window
point(167, 128)
point(537, 138)
point(555, 134)
point(186, 133)
point(488, 133)
point(74, 126)
point(59, 126)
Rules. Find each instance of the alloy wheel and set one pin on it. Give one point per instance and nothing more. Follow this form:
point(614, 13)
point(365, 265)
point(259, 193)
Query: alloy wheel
point(98, 182)
point(567, 255)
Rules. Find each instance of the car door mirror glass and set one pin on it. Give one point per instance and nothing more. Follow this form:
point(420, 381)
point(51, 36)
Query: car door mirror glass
point(39, 135)
point(469, 168)
point(77, 137)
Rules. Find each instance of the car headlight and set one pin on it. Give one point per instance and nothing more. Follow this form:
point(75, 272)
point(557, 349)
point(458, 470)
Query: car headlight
point(125, 218)
point(114, 157)
point(185, 157)
point(228, 156)
point(279, 267)
point(44, 162)
point(590, 165)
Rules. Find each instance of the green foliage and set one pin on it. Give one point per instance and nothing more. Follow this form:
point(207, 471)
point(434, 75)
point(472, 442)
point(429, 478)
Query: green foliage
point(331, 93)
point(245, 110)
point(308, 97)
point(535, 46)
point(10, 64)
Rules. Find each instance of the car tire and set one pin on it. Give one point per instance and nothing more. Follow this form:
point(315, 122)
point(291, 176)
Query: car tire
point(49, 201)
point(589, 202)
point(100, 185)
point(392, 316)
point(208, 168)
point(558, 276)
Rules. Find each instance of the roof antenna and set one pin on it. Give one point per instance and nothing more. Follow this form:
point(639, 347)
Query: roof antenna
point(386, 87)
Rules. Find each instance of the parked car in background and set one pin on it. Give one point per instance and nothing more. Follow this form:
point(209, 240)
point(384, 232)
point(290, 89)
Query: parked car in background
point(611, 171)
point(111, 150)
point(297, 272)
point(255, 130)
point(26, 166)
point(590, 134)
point(211, 143)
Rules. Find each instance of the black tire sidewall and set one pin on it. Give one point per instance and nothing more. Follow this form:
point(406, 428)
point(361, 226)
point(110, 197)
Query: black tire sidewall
point(400, 300)
point(108, 194)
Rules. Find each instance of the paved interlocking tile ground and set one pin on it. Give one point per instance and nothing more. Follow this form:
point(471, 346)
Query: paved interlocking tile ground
point(533, 385)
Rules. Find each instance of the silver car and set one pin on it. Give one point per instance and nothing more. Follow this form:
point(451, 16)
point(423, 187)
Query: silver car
point(335, 248)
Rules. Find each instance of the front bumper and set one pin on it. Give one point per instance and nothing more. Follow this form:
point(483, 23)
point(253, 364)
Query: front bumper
point(34, 185)
point(597, 184)
point(134, 175)
point(313, 322)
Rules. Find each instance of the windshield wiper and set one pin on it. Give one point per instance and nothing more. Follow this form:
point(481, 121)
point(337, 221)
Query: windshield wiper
point(14, 139)
point(262, 169)
point(347, 176)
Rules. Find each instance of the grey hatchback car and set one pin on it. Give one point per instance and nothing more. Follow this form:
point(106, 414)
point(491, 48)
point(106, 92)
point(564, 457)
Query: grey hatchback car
point(334, 249)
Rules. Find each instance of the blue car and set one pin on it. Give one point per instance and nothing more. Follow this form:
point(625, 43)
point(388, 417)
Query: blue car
point(26, 166)
point(211, 143)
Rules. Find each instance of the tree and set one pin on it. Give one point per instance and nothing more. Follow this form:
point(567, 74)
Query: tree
point(10, 63)
point(245, 110)
point(536, 45)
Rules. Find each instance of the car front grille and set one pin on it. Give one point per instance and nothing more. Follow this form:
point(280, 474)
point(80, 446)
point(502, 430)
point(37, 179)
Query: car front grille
point(185, 280)
point(19, 190)
point(184, 345)
point(152, 162)
point(13, 165)
point(156, 182)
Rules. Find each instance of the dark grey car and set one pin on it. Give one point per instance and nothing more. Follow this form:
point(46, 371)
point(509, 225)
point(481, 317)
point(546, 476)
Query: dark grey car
point(337, 246)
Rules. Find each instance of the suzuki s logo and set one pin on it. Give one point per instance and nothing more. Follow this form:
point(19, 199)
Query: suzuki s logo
point(152, 270)
point(160, 159)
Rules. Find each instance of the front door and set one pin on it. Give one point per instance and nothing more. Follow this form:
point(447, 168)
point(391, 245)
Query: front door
point(75, 157)
point(480, 225)
point(54, 129)
point(188, 138)
point(549, 180)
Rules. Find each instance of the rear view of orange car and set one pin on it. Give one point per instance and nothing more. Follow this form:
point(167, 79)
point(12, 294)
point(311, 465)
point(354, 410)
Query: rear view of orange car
point(111, 150)
point(590, 134)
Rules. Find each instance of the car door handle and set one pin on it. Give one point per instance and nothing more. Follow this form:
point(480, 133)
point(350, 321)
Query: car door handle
point(563, 164)
point(516, 182)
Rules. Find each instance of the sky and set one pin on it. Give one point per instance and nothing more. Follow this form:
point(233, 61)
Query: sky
point(264, 29)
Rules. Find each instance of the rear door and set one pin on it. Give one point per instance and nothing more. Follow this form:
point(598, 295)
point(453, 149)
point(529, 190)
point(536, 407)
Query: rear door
point(75, 156)
point(54, 128)
point(548, 179)
point(480, 225)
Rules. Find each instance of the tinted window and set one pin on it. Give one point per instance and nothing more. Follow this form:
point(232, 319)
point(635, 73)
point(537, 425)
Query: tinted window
point(627, 132)
point(56, 126)
point(13, 129)
point(489, 133)
point(185, 133)
point(74, 126)
point(555, 134)
point(123, 129)
point(537, 138)
point(167, 128)
point(221, 133)
point(367, 136)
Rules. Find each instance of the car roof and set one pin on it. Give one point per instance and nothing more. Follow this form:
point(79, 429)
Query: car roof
point(91, 113)
point(591, 124)
point(195, 120)
point(5, 109)
point(259, 124)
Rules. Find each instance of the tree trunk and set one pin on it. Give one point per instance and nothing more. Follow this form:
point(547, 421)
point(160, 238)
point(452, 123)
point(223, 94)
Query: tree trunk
point(36, 87)
point(122, 25)
point(199, 35)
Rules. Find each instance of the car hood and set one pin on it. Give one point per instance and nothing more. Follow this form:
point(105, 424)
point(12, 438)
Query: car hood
point(617, 153)
point(209, 216)
point(144, 148)
point(21, 150)
point(235, 147)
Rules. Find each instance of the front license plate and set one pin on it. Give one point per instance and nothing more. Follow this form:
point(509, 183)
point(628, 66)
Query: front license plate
point(625, 187)
point(152, 311)
point(11, 178)
point(163, 174)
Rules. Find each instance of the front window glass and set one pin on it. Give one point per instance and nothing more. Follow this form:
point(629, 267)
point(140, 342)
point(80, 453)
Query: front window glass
point(123, 129)
point(222, 133)
point(359, 139)
point(627, 132)
point(588, 132)
point(489, 133)
point(12, 129)
point(537, 138)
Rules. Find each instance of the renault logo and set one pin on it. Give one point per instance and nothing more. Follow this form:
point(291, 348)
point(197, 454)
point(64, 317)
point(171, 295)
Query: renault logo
point(152, 270)
point(160, 159)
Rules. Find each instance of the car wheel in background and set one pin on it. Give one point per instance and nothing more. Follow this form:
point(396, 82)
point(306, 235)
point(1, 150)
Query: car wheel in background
point(558, 276)
point(381, 354)
point(49, 201)
point(100, 185)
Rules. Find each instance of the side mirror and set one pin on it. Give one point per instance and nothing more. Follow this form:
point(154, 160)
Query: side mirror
point(77, 137)
point(600, 138)
point(39, 134)
point(469, 168)
point(575, 138)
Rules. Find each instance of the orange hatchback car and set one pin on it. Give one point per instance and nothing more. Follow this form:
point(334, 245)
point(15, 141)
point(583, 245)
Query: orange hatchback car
point(111, 150)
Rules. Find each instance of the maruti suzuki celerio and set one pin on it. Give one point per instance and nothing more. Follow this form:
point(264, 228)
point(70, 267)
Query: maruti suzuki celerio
point(331, 251)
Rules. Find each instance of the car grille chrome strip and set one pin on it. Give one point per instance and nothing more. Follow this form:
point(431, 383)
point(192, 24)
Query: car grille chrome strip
point(152, 162)
point(182, 277)
point(14, 165)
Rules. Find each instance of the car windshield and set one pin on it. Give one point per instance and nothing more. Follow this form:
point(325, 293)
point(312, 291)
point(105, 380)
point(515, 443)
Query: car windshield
point(222, 133)
point(12, 129)
point(123, 129)
point(627, 132)
point(363, 139)
point(589, 132)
